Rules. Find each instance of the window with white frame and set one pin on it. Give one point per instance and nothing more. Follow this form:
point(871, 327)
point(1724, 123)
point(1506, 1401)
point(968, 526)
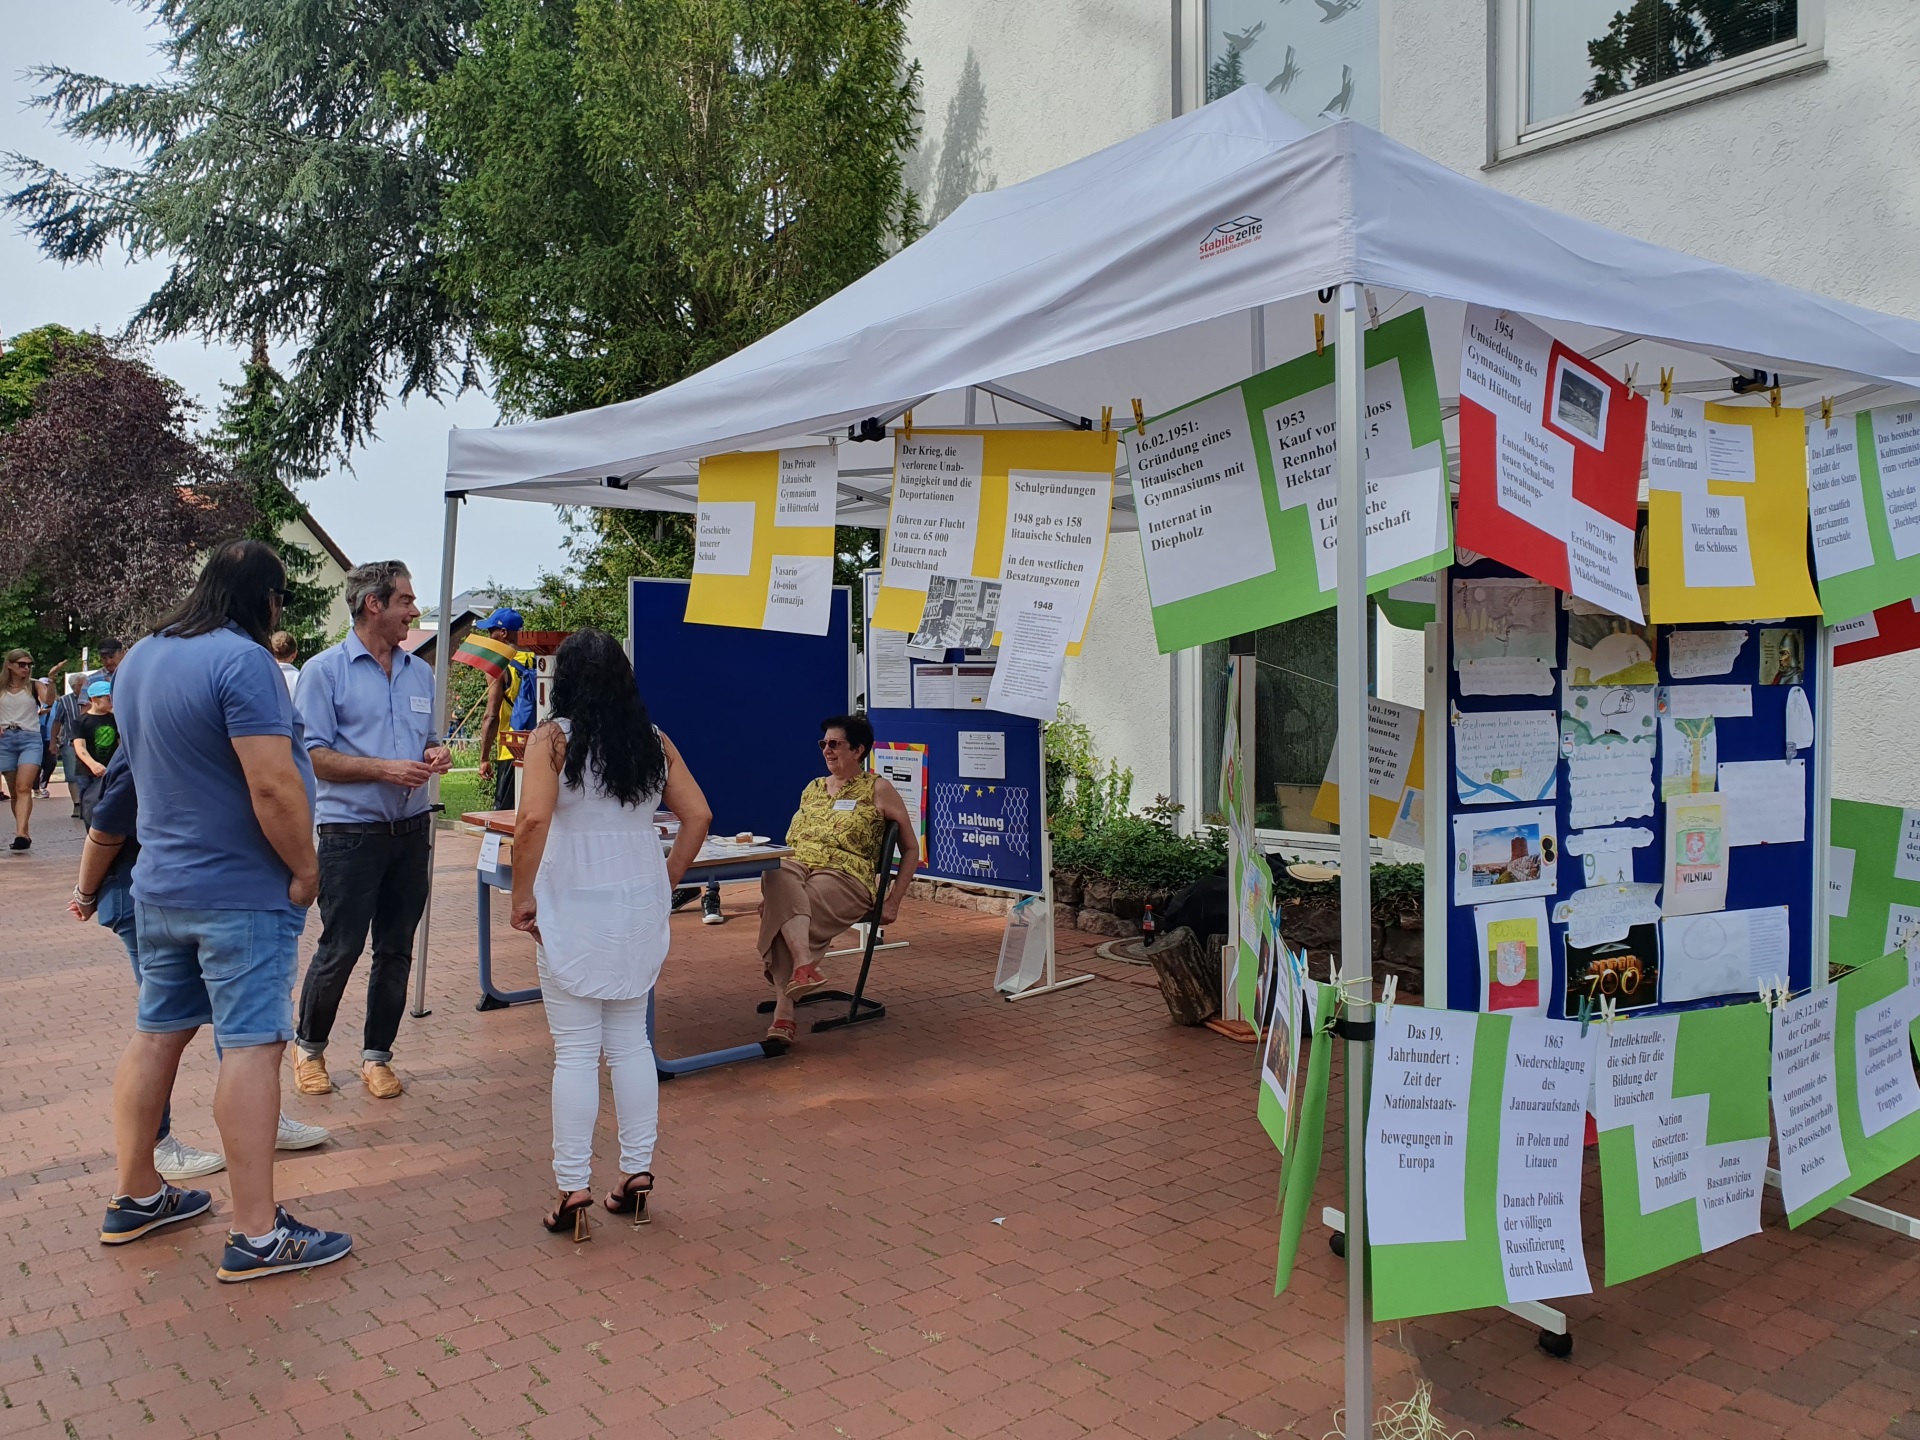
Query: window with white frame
point(1320, 61)
point(1567, 68)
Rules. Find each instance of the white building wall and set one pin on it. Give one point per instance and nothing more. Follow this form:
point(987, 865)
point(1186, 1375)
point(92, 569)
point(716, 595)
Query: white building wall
point(1806, 179)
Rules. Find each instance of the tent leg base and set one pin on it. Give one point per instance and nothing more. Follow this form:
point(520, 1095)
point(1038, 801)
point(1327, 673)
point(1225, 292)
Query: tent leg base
point(1032, 990)
point(1866, 1210)
point(1553, 1337)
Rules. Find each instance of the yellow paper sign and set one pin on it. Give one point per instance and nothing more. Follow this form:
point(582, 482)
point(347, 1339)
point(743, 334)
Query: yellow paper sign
point(763, 557)
point(1728, 541)
point(950, 513)
point(1395, 772)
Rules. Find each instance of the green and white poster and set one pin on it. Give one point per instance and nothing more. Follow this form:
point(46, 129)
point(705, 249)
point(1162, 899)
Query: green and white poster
point(1237, 499)
point(1873, 880)
point(1302, 1166)
point(1863, 481)
point(1846, 1105)
point(1681, 1106)
point(1474, 1147)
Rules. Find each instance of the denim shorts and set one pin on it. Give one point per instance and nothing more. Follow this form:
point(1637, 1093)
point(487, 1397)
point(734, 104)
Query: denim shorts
point(233, 969)
point(19, 747)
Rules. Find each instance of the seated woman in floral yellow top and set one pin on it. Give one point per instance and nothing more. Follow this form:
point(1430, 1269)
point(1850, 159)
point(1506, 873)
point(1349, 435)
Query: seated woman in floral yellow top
point(828, 884)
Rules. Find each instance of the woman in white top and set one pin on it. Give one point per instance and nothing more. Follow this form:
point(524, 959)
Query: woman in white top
point(591, 886)
point(21, 700)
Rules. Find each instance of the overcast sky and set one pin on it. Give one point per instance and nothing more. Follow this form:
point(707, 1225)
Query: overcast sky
point(390, 503)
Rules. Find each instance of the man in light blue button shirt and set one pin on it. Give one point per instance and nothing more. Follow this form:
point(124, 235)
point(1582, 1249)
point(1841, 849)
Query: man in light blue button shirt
point(367, 706)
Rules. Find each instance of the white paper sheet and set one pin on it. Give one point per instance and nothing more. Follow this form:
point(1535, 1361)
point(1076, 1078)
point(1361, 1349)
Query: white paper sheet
point(723, 539)
point(889, 674)
point(1505, 855)
point(1203, 522)
point(1841, 541)
point(1766, 801)
point(1695, 857)
point(1533, 475)
point(1669, 1145)
point(1696, 702)
point(1600, 561)
point(981, 755)
point(1806, 1095)
point(1677, 446)
point(1543, 1116)
point(1606, 856)
point(1840, 882)
point(1056, 538)
point(1417, 1126)
point(1300, 437)
point(808, 489)
point(905, 768)
point(1694, 654)
point(1406, 517)
point(1896, 444)
point(1906, 859)
point(1729, 1205)
point(1689, 755)
point(799, 594)
point(1799, 719)
point(1503, 363)
point(1852, 632)
point(1506, 676)
point(933, 525)
point(1633, 1069)
point(933, 687)
point(1033, 653)
point(1609, 734)
point(1903, 923)
point(1727, 952)
point(1729, 451)
point(1392, 729)
point(489, 851)
point(1601, 913)
point(972, 684)
point(1604, 786)
point(1714, 549)
point(1506, 757)
point(1883, 1062)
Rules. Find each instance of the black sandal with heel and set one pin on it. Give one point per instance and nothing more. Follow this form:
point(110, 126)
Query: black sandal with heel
point(570, 1213)
point(631, 1198)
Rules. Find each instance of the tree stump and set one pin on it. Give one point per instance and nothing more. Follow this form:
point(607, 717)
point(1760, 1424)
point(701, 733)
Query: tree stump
point(1189, 977)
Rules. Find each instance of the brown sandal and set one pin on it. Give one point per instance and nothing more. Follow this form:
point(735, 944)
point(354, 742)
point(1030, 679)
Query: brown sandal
point(570, 1212)
point(632, 1199)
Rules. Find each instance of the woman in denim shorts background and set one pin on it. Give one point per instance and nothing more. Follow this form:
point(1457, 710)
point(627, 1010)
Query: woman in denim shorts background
point(21, 743)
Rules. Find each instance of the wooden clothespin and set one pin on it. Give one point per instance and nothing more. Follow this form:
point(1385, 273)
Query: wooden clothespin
point(1319, 333)
point(1106, 419)
point(1139, 415)
point(1632, 374)
point(1373, 310)
point(1609, 1010)
point(1826, 409)
point(1387, 992)
point(1774, 396)
point(1666, 384)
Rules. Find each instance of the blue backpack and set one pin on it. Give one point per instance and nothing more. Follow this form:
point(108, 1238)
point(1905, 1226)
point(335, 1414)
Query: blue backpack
point(525, 698)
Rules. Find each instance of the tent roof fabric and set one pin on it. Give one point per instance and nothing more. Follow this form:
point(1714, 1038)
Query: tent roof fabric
point(1113, 275)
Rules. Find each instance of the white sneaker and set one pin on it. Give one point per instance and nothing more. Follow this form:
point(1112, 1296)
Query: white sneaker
point(177, 1161)
point(295, 1136)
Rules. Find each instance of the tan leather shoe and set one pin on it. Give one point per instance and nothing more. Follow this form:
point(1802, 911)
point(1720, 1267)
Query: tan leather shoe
point(310, 1074)
point(382, 1083)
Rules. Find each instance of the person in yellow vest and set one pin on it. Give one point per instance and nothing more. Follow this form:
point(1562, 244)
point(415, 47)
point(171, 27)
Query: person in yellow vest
point(506, 685)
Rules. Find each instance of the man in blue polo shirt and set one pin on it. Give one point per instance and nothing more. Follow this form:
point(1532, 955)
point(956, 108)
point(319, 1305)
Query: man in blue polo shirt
point(221, 889)
point(367, 707)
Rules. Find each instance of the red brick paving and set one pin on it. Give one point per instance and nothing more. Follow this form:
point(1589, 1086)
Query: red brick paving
point(826, 1259)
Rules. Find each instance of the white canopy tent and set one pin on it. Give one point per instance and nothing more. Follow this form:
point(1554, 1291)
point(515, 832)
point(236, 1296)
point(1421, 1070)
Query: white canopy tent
point(1162, 268)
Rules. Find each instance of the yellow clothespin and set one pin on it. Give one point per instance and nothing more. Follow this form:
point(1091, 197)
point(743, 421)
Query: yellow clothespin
point(1139, 415)
point(1774, 396)
point(1106, 419)
point(906, 425)
point(1826, 409)
point(1319, 333)
point(1666, 384)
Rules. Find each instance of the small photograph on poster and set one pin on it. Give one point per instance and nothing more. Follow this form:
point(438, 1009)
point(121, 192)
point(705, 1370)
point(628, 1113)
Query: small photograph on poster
point(1626, 972)
point(1505, 855)
point(1579, 403)
point(1503, 636)
point(1783, 657)
point(1263, 981)
point(961, 614)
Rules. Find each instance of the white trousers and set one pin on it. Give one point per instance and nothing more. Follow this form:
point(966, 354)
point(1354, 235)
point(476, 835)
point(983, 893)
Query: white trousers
point(583, 1031)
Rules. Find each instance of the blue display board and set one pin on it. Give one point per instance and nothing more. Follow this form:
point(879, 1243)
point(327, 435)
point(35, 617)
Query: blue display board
point(743, 706)
point(1758, 875)
point(981, 830)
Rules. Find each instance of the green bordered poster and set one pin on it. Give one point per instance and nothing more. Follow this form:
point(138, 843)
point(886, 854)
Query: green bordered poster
point(1302, 1166)
point(1873, 880)
point(1863, 477)
point(1846, 1105)
point(1681, 1106)
point(1236, 492)
point(1475, 1147)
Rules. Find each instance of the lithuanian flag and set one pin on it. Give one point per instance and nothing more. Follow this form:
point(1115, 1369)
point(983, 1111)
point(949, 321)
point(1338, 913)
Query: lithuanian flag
point(484, 653)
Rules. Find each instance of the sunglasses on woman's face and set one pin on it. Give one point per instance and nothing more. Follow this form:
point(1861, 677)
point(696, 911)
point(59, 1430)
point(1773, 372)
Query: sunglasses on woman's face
point(835, 745)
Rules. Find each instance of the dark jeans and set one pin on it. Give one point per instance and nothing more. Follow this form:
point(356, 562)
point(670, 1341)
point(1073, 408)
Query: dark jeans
point(503, 785)
point(367, 882)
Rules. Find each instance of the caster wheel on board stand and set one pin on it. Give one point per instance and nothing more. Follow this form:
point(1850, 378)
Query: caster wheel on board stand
point(1337, 1242)
point(1558, 1346)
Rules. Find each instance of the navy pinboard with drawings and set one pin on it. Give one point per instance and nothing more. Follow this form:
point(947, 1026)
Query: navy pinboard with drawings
point(1758, 876)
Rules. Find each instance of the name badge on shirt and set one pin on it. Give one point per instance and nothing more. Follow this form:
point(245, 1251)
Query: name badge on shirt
point(421, 705)
point(845, 804)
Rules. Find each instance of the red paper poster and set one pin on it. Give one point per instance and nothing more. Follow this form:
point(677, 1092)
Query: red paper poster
point(1550, 448)
point(1890, 630)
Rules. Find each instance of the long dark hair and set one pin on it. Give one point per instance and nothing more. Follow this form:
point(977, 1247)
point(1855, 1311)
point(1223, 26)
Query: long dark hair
point(594, 689)
point(236, 587)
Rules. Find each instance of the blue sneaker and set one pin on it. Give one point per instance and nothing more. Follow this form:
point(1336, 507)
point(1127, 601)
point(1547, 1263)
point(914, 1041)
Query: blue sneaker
point(292, 1246)
point(129, 1219)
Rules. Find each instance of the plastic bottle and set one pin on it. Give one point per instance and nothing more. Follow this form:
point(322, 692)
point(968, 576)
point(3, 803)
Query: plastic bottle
point(1147, 926)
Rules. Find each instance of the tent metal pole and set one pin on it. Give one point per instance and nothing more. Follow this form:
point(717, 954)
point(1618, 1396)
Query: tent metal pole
point(442, 670)
point(1356, 909)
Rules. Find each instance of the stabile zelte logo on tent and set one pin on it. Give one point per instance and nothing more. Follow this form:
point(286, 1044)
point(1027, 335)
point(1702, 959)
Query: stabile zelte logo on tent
point(1231, 235)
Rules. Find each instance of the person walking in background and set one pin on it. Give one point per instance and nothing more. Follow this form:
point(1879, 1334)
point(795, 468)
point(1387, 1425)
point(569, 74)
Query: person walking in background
point(225, 875)
point(495, 651)
point(66, 710)
point(104, 890)
point(22, 698)
point(111, 653)
point(285, 651)
point(591, 887)
point(95, 738)
point(367, 708)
